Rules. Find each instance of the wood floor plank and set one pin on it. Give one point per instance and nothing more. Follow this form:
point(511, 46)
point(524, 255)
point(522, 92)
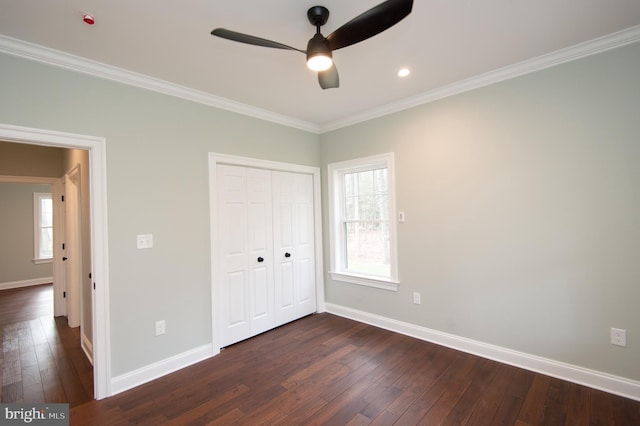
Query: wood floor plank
point(625, 411)
point(479, 378)
point(555, 406)
point(601, 411)
point(533, 406)
point(436, 403)
point(511, 403)
point(578, 405)
point(204, 413)
point(495, 390)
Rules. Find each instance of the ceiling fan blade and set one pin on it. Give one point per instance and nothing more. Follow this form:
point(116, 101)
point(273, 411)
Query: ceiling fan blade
point(372, 22)
point(249, 39)
point(329, 79)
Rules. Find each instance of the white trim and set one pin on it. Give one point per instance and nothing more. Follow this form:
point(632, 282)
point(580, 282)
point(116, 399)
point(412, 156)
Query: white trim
point(87, 347)
point(26, 283)
point(607, 382)
point(366, 281)
point(99, 236)
point(75, 63)
point(214, 160)
point(65, 60)
point(161, 368)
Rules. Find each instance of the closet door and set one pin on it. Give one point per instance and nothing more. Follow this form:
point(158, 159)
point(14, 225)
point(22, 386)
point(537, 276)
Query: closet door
point(293, 240)
point(246, 251)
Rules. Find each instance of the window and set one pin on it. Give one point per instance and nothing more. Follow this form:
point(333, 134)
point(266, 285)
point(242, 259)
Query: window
point(363, 231)
point(43, 227)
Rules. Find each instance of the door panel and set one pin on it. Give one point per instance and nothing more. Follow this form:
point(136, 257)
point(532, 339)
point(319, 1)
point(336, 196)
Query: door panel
point(232, 214)
point(245, 214)
point(261, 247)
point(294, 245)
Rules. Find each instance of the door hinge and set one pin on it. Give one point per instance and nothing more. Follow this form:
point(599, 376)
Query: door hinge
point(94, 286)
point(62, 198)
point(64, 294)
point(62, 246)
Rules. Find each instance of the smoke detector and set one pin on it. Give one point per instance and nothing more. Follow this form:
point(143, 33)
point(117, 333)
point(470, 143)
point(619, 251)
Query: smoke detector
point(88, 19)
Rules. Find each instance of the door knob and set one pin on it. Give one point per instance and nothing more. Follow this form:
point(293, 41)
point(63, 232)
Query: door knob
point(260, 259)
point(64, 258)
point(287, 254)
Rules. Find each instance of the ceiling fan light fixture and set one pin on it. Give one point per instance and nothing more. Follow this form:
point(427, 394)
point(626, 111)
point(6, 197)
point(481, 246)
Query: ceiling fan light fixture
point(319, 57)
point(319, 63)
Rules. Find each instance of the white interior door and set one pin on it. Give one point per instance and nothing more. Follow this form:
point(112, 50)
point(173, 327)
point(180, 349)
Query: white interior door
point(245, 247)
point(72, 249)
point(293, 239)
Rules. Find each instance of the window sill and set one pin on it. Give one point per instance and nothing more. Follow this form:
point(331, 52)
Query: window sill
point(39, 261)
point(365, 281)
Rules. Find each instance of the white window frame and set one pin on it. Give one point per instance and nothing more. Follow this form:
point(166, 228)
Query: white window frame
point(336, 172)
point(37, 225)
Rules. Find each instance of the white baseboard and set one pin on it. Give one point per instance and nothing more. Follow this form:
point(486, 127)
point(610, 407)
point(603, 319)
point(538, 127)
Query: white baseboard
point(26, 283)
point(161, 368)
point(572, 373)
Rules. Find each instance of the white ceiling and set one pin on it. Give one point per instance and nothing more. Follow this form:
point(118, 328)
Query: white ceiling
point(442, 42)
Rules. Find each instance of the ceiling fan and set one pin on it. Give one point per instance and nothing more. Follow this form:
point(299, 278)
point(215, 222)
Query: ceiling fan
point(319, 48)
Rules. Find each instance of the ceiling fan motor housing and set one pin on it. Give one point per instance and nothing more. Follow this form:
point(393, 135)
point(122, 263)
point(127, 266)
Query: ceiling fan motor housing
point(318, 15)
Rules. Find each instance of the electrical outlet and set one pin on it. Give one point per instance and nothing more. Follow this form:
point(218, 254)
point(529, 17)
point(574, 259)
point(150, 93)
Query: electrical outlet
point(160, 328)
point(416, 297)
point(145, 241)
point(618, 337)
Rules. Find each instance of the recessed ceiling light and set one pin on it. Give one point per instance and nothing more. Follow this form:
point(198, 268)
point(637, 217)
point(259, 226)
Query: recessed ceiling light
point(403, 72)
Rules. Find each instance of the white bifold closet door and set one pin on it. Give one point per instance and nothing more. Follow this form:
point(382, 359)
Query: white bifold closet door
point(266, 241)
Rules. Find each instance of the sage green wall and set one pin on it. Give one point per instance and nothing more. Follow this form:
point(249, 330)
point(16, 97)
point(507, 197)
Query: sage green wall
point(157, 182)
point(522, 204)
point(16, 231)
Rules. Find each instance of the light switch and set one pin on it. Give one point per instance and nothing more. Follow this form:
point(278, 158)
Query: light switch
point(401, 217)
point(145, 241)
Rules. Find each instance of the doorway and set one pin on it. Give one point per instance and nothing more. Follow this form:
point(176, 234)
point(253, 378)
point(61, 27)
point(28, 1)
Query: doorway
point(99, 250)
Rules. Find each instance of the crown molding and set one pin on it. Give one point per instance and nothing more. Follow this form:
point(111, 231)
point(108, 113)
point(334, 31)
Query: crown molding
point(67, 61)
point(75, 63)
point(581, 50)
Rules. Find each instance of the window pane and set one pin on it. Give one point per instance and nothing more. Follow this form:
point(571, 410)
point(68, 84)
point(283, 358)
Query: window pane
point(46, 243)
point(46, 212)
point(365, 195)
point(367, 248)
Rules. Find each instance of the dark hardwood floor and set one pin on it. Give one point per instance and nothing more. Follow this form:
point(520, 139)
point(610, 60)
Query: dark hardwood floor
point(328, 370)
point(41, 359)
